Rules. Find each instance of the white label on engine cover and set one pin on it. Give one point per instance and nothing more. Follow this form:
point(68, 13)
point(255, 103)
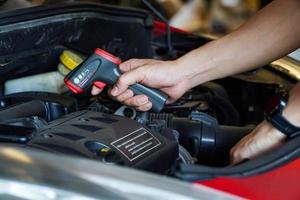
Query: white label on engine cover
point(136, 144)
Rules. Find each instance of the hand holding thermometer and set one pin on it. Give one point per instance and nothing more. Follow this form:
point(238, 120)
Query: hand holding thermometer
point(101, 68)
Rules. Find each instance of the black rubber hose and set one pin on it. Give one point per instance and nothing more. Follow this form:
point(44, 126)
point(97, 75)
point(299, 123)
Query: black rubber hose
point(28, 109)
point(210, 143)
point(230, 135)
point(227, 137)
point(228, 113)
point(204, 139)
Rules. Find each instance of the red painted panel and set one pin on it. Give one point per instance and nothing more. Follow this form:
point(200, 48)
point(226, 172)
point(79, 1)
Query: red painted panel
point(281, 183)
point(160, 29)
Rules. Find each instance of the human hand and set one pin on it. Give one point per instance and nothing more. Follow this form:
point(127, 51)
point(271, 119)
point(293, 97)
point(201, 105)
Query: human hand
point(163, 75)
point(265, 137)
point(262, 139)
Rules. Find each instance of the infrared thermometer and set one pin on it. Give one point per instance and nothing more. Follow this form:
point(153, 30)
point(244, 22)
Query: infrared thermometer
point(101, 69)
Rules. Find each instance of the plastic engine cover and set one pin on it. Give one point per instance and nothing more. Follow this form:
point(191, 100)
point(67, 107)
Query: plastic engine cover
point(108, 138)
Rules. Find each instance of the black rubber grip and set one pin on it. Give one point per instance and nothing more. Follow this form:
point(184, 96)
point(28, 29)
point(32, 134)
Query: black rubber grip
point(156, 97)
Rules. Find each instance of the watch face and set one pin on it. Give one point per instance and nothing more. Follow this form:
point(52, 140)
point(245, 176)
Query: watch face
point(273, 103)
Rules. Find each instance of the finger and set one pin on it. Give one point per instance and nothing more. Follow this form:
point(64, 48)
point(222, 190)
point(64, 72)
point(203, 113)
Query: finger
point(236, 151)
point(145, 107)
point(235, 157)
point(96, 90)
point(170, 101)
point(237, 160)
point(109, 94)
point(137, 101)
point(132, 64)
point(239, 152)
point(128, 78)
point(125, 95)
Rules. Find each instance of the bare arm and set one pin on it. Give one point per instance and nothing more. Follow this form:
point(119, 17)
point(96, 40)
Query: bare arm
point(269, 35)
point(265, 137)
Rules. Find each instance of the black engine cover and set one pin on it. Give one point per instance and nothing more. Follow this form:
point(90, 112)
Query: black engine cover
point(108, 138)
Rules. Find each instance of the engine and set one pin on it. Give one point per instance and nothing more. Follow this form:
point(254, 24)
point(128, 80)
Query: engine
point(199, 128)
point(104, 130)
point(108, 138)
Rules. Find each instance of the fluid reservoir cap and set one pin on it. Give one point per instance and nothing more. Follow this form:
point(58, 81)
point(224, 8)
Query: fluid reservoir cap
point(70, 59)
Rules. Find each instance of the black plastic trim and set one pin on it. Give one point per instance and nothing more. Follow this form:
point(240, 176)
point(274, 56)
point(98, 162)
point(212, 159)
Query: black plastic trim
point(38, 12)
point(264, 163)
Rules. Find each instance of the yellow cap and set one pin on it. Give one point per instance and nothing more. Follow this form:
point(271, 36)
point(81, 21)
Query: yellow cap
point(105, 150)
point(70, 59)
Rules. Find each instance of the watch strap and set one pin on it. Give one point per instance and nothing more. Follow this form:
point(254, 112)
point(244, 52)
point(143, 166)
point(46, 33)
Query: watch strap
point(282, 124)
point(275, 117)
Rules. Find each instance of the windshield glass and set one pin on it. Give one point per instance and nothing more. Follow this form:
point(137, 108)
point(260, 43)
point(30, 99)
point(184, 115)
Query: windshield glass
point(295, 55)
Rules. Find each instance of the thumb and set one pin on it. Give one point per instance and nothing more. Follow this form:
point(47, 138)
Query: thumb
point(127, 79)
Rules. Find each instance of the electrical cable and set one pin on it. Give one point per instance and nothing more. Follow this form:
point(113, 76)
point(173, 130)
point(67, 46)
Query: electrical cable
point(168, 28)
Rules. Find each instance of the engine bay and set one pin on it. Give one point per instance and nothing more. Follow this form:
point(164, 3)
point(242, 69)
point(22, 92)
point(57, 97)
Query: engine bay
point(198, 129)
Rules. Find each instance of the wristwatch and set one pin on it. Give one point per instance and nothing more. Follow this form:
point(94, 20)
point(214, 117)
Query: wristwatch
point(273, 114)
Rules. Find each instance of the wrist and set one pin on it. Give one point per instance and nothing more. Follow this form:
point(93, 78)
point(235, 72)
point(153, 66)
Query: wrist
point(273, 132)
point(276, 114)
point(291, 114)
point(179, 73)
point(182, 72)
point(196, 67)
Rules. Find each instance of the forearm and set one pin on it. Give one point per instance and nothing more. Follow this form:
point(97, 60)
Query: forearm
point(271, 34)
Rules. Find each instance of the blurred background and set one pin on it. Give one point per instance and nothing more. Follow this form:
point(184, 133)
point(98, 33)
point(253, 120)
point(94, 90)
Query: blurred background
point(213, 17)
